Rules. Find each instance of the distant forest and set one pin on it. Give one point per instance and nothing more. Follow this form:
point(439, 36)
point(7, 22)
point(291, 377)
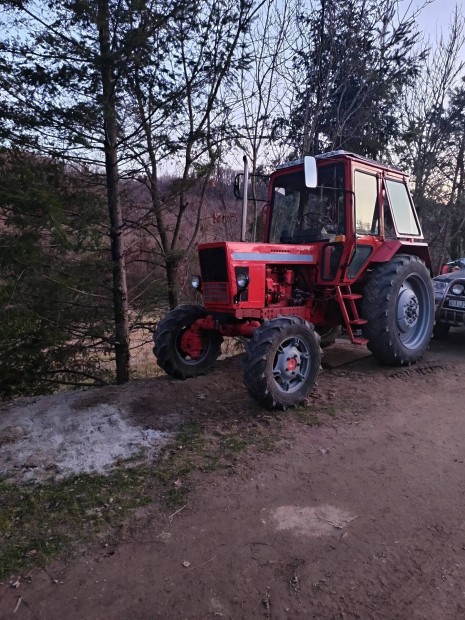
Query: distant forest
point(121, 123)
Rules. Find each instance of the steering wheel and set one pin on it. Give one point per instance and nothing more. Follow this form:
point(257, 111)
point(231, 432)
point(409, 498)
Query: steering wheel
point(315, 220)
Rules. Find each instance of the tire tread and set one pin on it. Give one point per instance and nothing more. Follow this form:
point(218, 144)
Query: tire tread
point(164, 340)
point(377, 295)
point(255, 359)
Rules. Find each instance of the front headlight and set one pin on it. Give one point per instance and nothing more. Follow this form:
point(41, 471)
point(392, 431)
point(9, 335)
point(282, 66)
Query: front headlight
point(196, 282)
point(242, 281)
point(457, 289)
point(439, 286)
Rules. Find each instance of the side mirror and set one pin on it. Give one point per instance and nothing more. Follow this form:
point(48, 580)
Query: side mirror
point(311, 176)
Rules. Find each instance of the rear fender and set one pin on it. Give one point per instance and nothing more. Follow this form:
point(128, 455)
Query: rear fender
point(390, 248)
point(386, 251)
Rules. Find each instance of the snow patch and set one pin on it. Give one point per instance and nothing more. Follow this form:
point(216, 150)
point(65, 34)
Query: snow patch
point(60, 441)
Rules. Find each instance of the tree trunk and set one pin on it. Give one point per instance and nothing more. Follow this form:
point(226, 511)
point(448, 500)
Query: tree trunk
point(120, 292)
point(172, 280)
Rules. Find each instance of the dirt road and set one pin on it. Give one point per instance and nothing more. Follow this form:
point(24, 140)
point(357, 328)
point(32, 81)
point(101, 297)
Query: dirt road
point(359, 517)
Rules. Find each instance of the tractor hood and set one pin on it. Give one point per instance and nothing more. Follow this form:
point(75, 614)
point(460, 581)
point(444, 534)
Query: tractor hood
point(221, 264)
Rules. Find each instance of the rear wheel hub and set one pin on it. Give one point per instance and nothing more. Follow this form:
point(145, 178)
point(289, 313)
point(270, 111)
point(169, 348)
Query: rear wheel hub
point(408, 310)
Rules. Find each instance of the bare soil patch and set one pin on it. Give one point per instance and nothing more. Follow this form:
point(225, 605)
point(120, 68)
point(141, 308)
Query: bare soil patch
point(360, 516)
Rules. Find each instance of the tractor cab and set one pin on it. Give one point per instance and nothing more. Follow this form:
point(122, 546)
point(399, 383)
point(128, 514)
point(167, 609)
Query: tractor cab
point(357, 211)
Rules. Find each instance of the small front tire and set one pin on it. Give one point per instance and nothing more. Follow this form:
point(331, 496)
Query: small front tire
point(281, 362)
point(168, 348)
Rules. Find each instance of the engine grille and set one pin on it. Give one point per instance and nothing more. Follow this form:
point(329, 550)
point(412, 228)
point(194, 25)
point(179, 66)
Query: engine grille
point(215, 292)
point(213, 265)
point(215, 288)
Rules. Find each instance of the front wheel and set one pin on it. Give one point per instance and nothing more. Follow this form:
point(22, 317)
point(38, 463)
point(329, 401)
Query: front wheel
point(170, 350)
point(281, 362)
point(398, 303)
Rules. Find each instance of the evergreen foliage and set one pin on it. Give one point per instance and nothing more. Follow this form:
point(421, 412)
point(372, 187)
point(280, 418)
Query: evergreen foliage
point(355, 64)
point(53, 302)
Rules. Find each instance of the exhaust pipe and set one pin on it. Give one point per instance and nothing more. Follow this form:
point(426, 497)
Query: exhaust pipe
point(244, 199)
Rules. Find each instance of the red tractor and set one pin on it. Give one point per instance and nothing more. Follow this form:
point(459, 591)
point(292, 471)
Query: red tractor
point(342, 248)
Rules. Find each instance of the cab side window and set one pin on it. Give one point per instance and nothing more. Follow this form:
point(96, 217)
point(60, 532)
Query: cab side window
point(402, 208)
point(366, 203)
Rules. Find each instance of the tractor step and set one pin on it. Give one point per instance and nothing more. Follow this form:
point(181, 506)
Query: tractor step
point(350, 314)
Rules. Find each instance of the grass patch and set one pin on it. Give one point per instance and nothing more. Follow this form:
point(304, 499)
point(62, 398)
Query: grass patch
point(42, 522)
point(233, 444)
point(330, 410)
point(306, 415)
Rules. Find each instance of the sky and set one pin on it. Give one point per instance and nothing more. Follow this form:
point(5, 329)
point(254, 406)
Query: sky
point(436, 17)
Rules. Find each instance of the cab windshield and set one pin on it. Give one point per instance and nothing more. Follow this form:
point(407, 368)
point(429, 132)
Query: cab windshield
point(300, 214)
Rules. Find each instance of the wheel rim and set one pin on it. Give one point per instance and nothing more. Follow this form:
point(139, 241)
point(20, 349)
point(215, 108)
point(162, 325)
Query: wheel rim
point(413, 312)
point(291, 364)
point(185, 355)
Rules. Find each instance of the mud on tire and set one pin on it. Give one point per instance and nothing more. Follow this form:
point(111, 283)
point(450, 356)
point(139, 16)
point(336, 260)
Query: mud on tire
point(167, 340)
point(281, 362)
point(398, 303)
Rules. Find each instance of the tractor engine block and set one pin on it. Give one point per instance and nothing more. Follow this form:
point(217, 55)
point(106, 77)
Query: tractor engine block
point(279, 285)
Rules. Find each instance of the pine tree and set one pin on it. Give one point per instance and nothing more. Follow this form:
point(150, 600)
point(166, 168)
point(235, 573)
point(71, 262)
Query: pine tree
point(56, 310)
point(354, 61)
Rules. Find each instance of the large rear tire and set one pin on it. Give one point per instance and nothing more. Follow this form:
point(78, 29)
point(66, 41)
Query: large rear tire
point(168, 349)
point(281, 362)
point(398, 303)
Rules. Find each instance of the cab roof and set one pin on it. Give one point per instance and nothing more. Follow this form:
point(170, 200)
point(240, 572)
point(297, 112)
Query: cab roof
point(339, 154)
